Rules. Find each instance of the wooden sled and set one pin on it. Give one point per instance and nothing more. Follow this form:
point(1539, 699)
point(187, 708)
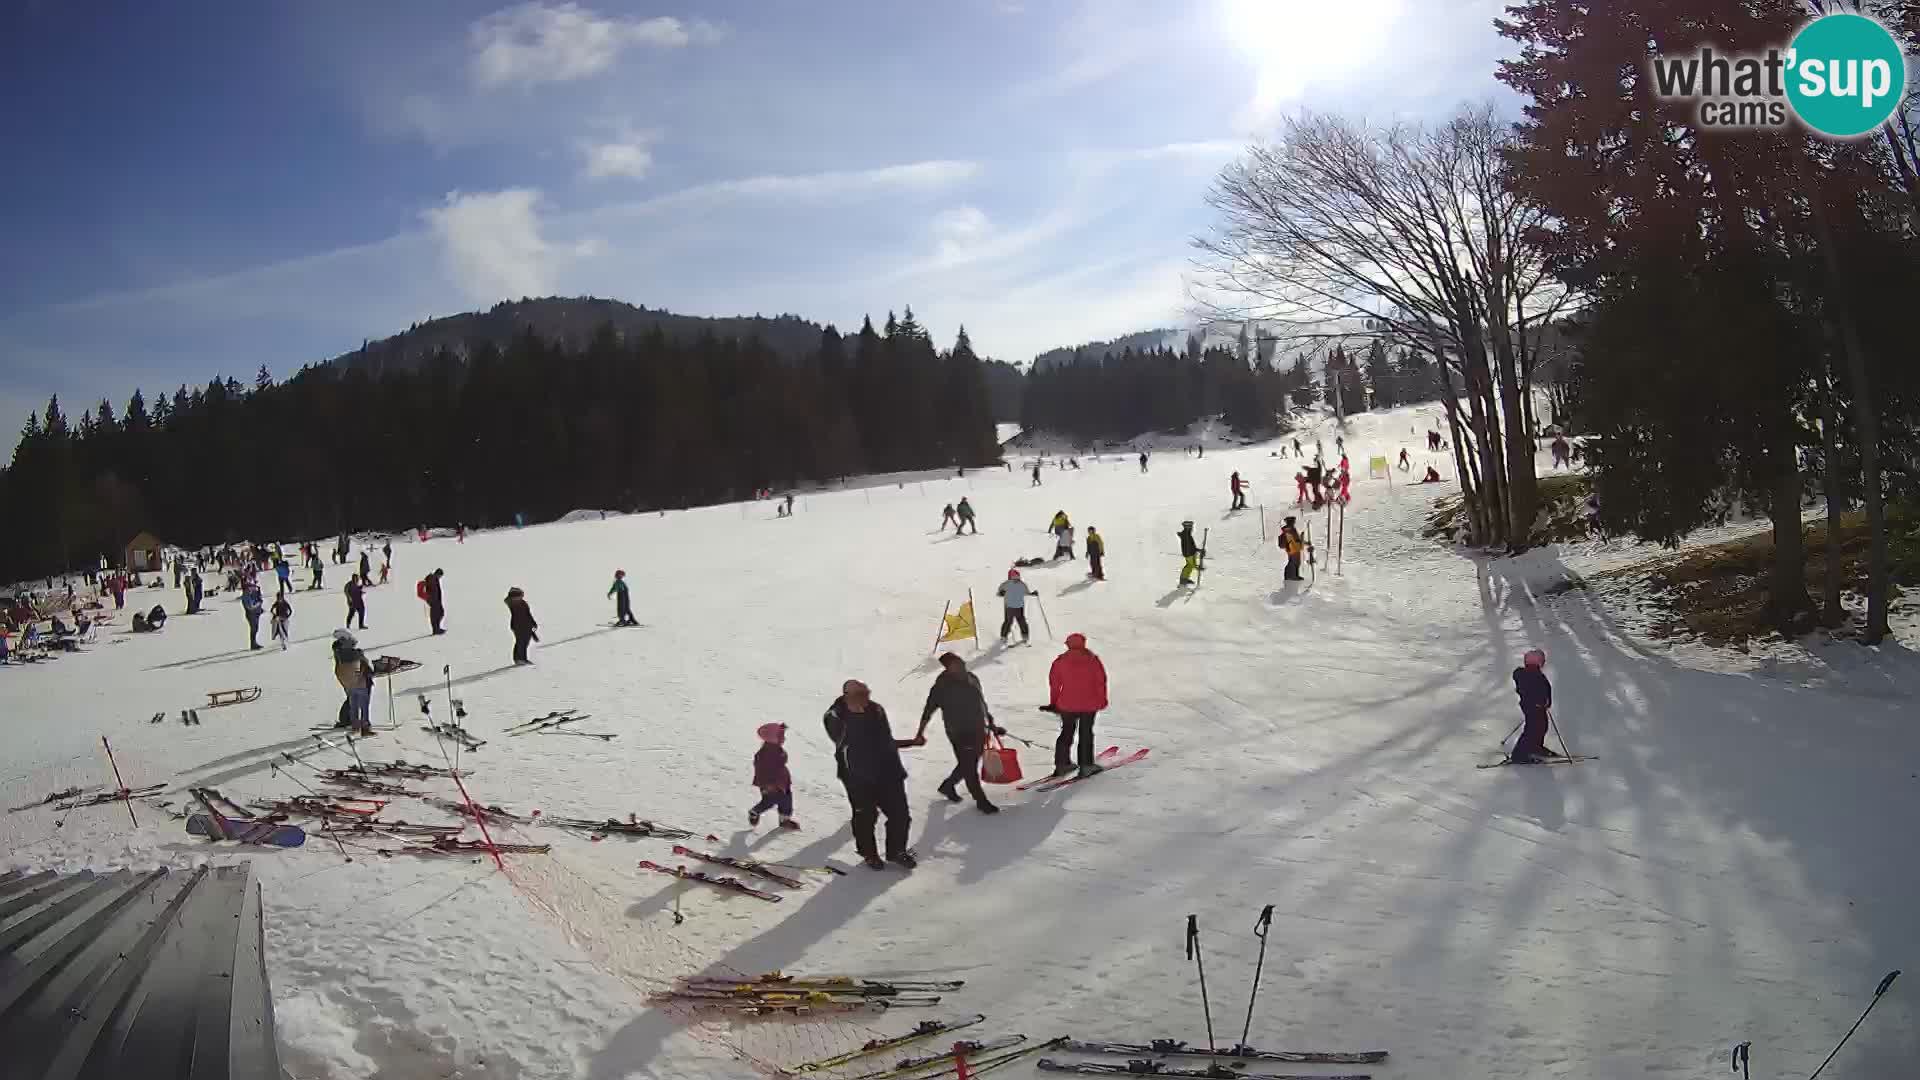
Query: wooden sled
point(217, 698)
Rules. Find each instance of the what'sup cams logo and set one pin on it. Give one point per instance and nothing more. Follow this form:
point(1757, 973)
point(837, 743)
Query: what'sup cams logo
point(1843, 75)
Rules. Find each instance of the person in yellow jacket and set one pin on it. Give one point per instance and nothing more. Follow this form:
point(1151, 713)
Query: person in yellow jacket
point(1291, 542)
point(1096, 554)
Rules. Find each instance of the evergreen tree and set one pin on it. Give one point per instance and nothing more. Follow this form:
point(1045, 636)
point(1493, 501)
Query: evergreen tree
point(1383, 384)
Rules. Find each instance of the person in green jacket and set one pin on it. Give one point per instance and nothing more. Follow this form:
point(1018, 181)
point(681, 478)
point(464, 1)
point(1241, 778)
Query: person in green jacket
point(622, 603)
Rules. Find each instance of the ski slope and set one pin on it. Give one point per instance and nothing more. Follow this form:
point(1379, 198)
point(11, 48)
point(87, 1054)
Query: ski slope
point(1733, 866)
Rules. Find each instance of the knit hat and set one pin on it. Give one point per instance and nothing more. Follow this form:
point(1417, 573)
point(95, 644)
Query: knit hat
point(773, 733)
point(1013, 575)
point(1076, 641)
point(1534, 658)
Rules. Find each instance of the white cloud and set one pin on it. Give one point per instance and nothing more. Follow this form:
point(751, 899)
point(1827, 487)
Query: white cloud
point(629, 155)
point(492, 246)
point(537, 43)
point(958, 231)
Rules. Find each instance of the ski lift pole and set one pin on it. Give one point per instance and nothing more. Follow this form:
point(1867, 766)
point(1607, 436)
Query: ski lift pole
point(1885, 984)
point(1260, 928)
point(1193, 950)
point(122, 784)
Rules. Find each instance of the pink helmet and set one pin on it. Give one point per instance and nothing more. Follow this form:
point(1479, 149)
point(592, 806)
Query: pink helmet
point(1534, 658)
point(1013, 575)
point(773, 733)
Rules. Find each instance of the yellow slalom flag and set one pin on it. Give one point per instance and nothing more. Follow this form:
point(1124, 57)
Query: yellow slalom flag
point(960, 624)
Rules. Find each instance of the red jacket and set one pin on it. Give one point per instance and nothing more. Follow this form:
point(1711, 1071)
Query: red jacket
point(1078, 680)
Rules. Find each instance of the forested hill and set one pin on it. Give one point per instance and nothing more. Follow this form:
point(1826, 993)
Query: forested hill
point(571, 322)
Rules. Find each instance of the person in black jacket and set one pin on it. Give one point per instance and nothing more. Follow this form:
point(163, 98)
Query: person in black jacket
point(963, 709)
point(520, 621)
point(436, 610)
point(356, 591)
point(1536, 698)
point(868, 764)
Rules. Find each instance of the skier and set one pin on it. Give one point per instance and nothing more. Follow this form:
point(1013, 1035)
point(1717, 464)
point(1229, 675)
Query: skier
point(1346, 484)
point(1143, 461)
point(770, 775)
point(1300, 485)
point(1096, 554)
point(1562, 452)
point(1536, 698)
point(1077, 686)
point(1406, 464)
point(964, 512)
point(1036, 475)
point(386, 550)
point(1239, 492)
point(460, 533)
point(520, 621)
point(1432, 477)
point(355, 675)
point(956, 693)
point(356, 601)
point(318, 566)
point(340, 549)
point(366, 568)
point(251, 604)
point(429, 590)
point(196, 590)
point(1433, 441)
point(1015, 610)
point(1290, 542)
point(867, 761)
point(1191, 551)
point(1063, 542)
point(622, 601)
point(789, 504)
point(285, 574)
point(947, 518)
point(281, 612)
point(1296, 449)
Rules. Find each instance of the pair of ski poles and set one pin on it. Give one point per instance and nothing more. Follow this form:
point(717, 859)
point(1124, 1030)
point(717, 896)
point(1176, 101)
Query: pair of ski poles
point(1260, 928)
point(1565, 750)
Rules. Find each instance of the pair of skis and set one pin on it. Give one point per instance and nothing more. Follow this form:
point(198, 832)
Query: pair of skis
point(926, 1029)
point(1108, 760)
point(755, 867)
point(1213, 1071)
point(1177, 1048)
point(633, 826)
point(549, 721)
point(837, 985)
point(456, 733)
point(725, 884)
point(1553, 759)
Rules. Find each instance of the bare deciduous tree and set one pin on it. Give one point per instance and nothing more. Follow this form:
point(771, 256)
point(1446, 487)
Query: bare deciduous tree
point(1406, 233)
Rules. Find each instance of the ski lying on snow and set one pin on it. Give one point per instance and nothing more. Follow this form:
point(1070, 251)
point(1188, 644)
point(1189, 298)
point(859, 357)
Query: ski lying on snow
point(493, 814)
point(547, 725)
point(1556, 760)
point(105, 797)
point(633, 826)
point(927, 1029)
point(1214, 1071)
point(729, 884)
point(457, 733)
point(968, 1048)
point(977, 1066)
point(446, 845)
point(751, 867)
point(1176, 1048)
point(775, 981)
point(543, 719)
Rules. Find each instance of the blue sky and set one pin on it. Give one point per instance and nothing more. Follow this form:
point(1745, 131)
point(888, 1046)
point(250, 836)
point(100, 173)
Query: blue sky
point(193, 190)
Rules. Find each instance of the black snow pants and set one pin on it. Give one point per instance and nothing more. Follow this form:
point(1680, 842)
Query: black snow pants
point(966, 768)
point(1072, 724)
point(1015, 615)
point(870, 800)
point(521, 638)
point(1533, 733)
point(434, 614)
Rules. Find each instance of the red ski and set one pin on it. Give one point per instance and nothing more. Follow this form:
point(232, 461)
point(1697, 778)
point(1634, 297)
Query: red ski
point(1106, 766)
point(1102, 758)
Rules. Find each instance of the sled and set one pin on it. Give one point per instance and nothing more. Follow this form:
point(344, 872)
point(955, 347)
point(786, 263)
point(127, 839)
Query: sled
point(217, 698)
point(389, 665)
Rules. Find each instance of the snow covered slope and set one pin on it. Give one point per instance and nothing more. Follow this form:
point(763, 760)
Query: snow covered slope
point(1733, 866)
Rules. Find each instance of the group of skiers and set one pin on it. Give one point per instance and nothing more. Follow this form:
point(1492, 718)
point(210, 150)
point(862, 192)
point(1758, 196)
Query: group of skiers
point(959, 516)
point(867, 752)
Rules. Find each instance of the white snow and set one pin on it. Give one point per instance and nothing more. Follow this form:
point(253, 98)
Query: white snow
point(1734, 866)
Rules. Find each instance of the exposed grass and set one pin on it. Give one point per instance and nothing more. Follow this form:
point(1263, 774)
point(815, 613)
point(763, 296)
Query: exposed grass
point(1718, 594)
point(1562, 517)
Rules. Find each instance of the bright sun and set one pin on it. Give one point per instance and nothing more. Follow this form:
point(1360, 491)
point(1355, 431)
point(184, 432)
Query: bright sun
point(1293, 43)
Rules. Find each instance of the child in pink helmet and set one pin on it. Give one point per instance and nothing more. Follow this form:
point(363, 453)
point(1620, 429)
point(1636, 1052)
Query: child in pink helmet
point(1536, 698)
point(771, 777)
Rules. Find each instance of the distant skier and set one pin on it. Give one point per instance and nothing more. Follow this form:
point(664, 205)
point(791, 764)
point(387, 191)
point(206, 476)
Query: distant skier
point(366, 568)
point(1063, 542)
point(1077, 690)
point(1296, 449)
point(947, 518)
point(1014, 610)
point(520, 621)
point(867, 760)
point(1036, 475)
point(356, 593)
point(251, 605)
point(1191, 551)
point(386, 550)
point(1239, 492)
point(1536, 700)
point(963, 709)
point(1406, 463)
point(1096, 554)
point(429, 591)
point(770, 775)
point(1562, 452)
point(460, 533)
point(622, 602)
point(284, 573)
point(1432, 477)
point(1300, 485)
point(1293, 545)
point(1143, 461)
point(282, 613)
point(319, 565)
point(1433, 441)
point(964, 512)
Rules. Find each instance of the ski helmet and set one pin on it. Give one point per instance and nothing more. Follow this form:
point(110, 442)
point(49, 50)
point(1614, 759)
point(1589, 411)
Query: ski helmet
point(773, 733)
point(1534, 658)
point(1013, 575)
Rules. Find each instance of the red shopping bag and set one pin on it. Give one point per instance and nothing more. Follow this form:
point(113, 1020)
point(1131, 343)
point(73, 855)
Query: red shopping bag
point(1000, 764)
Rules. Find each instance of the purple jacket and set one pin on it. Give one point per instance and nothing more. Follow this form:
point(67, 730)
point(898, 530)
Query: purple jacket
point(770, 767)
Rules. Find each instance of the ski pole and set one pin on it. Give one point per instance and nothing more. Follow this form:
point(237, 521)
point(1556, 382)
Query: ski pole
point(1193, 951)
point(1509, 735)
point(1877, 994)
point(1260, 928)
point(119, 781)
point(1043, 616)
point(1564, 748)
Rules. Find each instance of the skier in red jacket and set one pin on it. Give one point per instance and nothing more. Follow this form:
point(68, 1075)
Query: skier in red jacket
point(1078, 689)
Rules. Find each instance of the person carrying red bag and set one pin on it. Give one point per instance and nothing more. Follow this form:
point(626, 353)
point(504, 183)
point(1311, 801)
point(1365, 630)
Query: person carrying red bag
point(963, 709)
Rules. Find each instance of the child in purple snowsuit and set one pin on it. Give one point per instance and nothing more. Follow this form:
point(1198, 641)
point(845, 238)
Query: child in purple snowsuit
point(771, 777)
point(1536, 697)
